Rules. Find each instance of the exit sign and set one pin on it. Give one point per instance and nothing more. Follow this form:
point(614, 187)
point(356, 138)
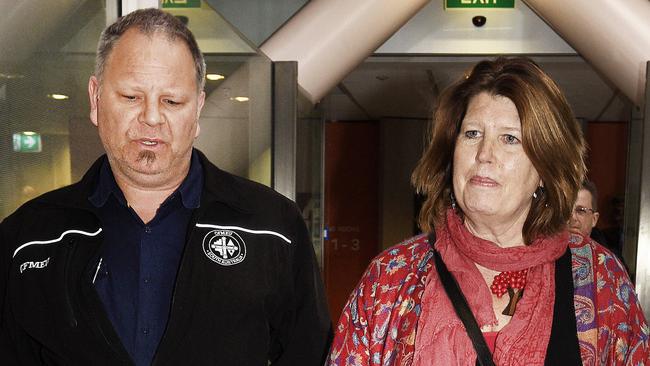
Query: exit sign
point(29, 142)
point(470, 4)
point(181, 3)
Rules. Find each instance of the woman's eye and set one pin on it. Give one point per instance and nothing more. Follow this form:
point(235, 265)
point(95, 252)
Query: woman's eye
point(471, 134)
point(509, 139)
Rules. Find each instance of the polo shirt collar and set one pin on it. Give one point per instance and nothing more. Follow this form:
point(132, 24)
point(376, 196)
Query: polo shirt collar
point(190, 190)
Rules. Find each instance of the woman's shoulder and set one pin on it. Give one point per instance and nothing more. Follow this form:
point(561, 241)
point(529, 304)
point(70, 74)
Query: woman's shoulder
point(605, 300)
point(600, 257)
point(394, 264)
point(410, 250)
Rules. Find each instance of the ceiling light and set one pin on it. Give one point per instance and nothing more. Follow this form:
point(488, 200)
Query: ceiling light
point(11, 76)
point(214, 77)
point(58, 96)
point(240, 99)
point(28, 133)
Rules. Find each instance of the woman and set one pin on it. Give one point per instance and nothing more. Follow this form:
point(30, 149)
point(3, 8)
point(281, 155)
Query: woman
point(501, 173)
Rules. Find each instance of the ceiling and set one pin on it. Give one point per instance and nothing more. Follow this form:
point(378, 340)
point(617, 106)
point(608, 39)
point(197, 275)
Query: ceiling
point(405, 88)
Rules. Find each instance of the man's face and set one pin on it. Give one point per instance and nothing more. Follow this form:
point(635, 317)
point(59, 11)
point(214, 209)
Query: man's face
point(147, 108)
point(583, 218)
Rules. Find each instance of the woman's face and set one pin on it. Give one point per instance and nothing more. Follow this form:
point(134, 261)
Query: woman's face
point(493, 178)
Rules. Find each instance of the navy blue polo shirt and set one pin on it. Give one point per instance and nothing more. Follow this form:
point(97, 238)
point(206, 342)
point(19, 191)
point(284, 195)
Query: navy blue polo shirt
point(138, 265)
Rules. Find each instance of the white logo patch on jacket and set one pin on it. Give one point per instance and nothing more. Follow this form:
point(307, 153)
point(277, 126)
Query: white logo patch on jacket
point(224, 247)
point(30, 265)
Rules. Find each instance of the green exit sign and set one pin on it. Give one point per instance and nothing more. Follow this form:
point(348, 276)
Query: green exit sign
point(470, 4)
point(29, 142)
point(181, 3)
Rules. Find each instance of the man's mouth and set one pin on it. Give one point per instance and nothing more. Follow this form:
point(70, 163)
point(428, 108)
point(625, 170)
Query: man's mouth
point(150, 142)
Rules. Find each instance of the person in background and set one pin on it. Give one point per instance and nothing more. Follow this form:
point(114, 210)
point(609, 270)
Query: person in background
point(157, 257)
point(497, 278)
point(585, 215)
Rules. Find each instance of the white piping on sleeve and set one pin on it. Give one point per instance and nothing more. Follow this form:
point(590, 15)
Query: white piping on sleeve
point(38, 242)
point(220, 227)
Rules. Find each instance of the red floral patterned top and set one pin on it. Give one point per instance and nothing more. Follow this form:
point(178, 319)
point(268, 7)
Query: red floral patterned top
point(378, 323)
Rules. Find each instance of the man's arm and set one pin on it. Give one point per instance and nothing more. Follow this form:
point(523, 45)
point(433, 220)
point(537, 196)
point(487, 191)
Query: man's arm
point(15, 346)
point(307, 342)
point(7, 352)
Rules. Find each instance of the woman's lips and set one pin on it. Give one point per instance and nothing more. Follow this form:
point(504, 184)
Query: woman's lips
point(483, 181)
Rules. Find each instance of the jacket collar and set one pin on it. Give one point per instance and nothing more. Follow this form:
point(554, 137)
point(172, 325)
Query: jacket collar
point(189, 190)
point(223, 187)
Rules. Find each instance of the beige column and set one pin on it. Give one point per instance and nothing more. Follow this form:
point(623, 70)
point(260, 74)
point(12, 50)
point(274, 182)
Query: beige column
point(329, 38)
point(612, 35)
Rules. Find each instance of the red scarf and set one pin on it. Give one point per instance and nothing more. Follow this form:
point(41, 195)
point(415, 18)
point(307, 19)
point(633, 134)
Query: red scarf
point(441, 338)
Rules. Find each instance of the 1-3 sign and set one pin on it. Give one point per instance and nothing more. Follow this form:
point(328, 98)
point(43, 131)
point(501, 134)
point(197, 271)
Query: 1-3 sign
point(460, 4)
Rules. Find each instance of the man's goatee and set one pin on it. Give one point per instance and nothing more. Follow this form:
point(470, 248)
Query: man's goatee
point(148, 156)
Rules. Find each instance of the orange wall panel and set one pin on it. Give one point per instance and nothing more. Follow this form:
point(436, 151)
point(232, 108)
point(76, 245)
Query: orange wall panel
point(351, 206)
point(606, 164)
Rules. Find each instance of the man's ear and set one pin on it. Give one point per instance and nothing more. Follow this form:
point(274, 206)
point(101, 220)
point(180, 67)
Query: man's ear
point(199, 107)
point(93, 95)
point(596, 215)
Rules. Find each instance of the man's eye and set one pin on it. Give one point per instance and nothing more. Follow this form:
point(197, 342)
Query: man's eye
point(471, 134)
point(171, 102)
point(509, 139)
point(129, 97)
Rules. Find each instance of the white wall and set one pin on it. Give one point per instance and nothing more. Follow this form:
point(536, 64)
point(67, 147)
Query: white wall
point(257, 19)
point(435, 30)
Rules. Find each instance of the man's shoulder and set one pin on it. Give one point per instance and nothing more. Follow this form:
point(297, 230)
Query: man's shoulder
point(54, 208)
point(58, 198)
point(242, 192)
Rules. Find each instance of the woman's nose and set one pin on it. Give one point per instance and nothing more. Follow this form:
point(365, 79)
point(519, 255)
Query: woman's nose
point(485, 152)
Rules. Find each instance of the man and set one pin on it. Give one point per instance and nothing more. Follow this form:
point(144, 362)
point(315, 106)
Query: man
point(585, 217)
point(157, 257)
point(585, 210)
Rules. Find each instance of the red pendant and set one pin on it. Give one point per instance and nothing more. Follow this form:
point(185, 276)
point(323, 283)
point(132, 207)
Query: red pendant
point(513, 283)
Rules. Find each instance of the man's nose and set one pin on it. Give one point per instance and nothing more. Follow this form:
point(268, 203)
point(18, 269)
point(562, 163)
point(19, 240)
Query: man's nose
point(150, 114)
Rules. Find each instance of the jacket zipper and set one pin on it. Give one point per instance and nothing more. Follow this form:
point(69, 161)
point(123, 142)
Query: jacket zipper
point(72, 319)
point(186, 248)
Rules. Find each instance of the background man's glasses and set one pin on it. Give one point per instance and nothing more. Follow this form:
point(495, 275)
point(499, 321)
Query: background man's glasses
point(582, 211)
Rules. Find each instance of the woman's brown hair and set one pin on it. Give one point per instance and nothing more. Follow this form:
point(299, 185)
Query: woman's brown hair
point(551, 138)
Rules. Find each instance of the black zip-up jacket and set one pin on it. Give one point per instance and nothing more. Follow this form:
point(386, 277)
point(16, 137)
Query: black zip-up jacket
point(264, 304)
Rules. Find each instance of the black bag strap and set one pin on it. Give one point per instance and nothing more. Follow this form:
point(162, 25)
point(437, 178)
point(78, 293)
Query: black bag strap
point(462, 308)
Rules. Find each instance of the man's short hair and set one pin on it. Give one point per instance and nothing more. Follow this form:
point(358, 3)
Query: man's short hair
point(149, 21)
point(591, 187)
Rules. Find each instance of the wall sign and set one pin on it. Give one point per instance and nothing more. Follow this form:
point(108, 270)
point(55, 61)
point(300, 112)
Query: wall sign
point(181, 3)
point(29, 142)
point(472, 4)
